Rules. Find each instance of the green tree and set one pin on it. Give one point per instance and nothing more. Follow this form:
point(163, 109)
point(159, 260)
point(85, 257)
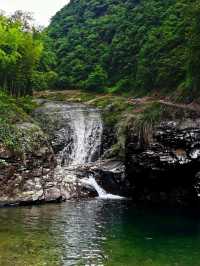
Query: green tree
point(24, 56)
point(97, 79)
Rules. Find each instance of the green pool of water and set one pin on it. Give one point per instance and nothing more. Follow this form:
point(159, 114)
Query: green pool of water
point(98, 233)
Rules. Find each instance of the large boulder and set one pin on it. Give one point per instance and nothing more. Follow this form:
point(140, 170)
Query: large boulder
point(109, 175)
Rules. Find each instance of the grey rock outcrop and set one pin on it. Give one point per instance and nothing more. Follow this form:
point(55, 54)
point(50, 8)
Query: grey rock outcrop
point(32, 175)
point(26, 176)
point(165, 170)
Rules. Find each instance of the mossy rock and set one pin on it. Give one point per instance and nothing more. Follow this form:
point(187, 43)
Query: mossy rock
point(31, 138)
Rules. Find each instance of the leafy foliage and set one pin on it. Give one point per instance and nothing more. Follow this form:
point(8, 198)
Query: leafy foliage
point(22, 56)
point(96, 80)
point(133, 45)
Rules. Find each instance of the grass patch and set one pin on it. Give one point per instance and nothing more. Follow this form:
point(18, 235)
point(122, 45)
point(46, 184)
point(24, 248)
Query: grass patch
point(144, 122)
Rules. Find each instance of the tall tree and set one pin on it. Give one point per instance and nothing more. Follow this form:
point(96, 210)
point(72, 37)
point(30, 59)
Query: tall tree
point(23, 60)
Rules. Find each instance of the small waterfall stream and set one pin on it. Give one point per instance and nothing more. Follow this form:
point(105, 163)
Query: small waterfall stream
point(101, 192)
point(86, 134)
point(84, 125)
point(77, 136)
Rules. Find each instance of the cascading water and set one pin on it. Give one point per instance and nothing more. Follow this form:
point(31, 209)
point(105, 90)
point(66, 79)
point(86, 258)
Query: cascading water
point(101, 192)
point(76, 137)
point(84, 125)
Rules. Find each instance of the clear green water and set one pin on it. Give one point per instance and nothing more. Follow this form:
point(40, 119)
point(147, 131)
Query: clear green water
point(98, 233)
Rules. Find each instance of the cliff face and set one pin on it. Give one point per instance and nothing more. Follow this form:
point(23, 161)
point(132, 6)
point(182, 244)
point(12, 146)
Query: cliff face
point(159, 143)
point(167, 169)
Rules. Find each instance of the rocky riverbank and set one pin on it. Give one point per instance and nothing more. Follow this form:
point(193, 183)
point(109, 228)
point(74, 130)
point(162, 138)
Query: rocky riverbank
point(149, 150)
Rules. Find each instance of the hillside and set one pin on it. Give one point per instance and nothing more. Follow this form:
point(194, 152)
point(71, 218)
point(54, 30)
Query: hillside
point(126, 45)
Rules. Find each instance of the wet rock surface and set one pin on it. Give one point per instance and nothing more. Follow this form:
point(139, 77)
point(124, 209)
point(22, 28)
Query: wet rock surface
point(165, 170)
point(109, 174)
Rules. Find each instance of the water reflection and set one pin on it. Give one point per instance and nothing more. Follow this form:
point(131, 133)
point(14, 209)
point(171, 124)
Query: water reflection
point(74, 229)
point(98, 233)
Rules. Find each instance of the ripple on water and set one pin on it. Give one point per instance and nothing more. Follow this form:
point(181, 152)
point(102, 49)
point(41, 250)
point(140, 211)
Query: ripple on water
point(99, 233)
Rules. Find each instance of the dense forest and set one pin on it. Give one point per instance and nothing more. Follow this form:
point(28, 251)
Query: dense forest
point(26, 59)
point(128, 45)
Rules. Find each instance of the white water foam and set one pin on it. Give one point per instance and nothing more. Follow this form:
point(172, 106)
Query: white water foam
point(102, 194)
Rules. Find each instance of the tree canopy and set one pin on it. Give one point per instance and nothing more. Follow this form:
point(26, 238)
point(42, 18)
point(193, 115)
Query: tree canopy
point(137, 46)
point(133, 45)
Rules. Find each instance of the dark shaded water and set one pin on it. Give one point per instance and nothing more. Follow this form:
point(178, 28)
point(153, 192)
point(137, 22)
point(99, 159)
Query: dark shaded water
point(97, 232)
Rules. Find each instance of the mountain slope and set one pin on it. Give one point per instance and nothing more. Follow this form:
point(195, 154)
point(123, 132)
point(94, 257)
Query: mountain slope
point(123, 44)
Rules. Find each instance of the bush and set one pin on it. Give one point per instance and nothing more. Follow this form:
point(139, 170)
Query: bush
point(43, 80)
point(51, 79)
point(96, 80)
point(123, 85)
point(38, 81)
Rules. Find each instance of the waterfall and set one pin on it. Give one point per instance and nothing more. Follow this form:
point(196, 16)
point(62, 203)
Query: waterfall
point(77, 135)
point(85, 127)
point(83, 132)
point(101, 192)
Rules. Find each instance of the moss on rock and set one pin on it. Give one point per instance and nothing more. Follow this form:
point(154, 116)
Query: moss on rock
point(13, 113)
